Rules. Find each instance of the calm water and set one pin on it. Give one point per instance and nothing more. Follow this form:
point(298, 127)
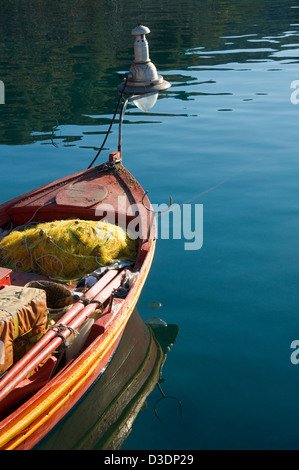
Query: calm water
point(225, 135)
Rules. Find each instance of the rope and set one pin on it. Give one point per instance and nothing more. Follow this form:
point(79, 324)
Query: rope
point(112, 121)
point(220, 183)
point(166, 397)
point(61, 327)
point(87, 301)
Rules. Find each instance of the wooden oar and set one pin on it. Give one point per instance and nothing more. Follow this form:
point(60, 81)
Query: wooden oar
point(56, 340)
point(68, 317)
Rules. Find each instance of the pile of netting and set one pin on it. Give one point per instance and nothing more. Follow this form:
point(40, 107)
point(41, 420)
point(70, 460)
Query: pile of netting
point(66, 249)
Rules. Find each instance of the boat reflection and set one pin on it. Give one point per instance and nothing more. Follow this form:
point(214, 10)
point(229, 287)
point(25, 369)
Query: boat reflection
point(105, 415)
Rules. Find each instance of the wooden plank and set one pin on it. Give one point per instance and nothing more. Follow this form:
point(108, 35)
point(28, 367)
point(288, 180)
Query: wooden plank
point(82, 194)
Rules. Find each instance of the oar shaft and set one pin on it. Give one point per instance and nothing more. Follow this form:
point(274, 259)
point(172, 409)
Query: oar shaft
point(65, 320)
point(56, 341)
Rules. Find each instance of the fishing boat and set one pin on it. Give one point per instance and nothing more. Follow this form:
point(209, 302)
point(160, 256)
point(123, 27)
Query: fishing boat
point(74, 257)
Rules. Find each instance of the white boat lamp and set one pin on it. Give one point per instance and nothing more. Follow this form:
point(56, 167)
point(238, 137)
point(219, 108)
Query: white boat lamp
point(142, 83)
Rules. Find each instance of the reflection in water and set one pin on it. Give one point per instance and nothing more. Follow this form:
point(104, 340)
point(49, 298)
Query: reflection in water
point(59, 60)
point(104, 418)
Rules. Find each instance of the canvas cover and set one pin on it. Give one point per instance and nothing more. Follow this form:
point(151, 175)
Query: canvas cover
point(22, 309)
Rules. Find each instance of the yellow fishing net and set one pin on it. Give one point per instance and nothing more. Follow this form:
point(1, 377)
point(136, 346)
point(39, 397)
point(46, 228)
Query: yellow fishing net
point(66, 249)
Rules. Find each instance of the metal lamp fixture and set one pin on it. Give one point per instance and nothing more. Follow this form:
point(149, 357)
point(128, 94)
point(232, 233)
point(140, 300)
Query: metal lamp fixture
point(141, 85)
point(142, 82)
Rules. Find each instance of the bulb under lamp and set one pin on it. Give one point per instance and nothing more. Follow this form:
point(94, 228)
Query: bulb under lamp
point(145, 102)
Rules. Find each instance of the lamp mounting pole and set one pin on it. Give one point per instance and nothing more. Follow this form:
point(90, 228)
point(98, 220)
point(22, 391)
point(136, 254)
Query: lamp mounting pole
point(121, 118)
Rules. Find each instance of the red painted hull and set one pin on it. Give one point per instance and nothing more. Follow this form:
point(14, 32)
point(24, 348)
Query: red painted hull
point(117, 191)
point(105, 417)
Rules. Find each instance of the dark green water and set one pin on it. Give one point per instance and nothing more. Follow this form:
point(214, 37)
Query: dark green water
point(225, 135)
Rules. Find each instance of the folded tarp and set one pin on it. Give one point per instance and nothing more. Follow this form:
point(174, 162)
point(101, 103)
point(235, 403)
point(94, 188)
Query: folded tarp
point(22, 310)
